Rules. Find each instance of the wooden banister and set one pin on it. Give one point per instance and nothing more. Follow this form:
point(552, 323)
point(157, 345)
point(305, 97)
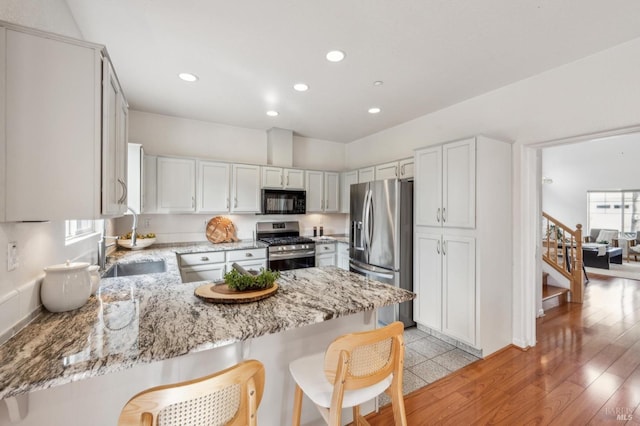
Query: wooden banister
point(562, 250)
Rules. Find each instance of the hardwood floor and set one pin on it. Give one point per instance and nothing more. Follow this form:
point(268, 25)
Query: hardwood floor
point(585, 369)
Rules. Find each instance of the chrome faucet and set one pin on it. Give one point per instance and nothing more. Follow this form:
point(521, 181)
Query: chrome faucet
point(103, 246)
point(134, 227)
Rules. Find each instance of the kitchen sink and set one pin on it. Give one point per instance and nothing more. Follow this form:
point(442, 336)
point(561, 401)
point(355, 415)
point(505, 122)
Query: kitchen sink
point(135, 268)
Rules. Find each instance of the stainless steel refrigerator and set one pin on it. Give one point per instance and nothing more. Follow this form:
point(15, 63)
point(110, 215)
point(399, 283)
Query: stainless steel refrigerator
point(381, 239)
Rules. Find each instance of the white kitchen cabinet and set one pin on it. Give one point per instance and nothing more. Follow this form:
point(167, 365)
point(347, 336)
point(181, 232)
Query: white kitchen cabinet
point(343, 255)
point(387, 171)
point(176, 185)
point(405, 168)
point(114, 144)
point(279, 178)
point(459, 288)
point(445, 270)
point(213, 187)
point(461, 274)
point(346, 180)
point(249, 259)
point(323, 191)
point(135, 171)
point(149, 184)
point(366, 174)
point(326, 254)
point(245, 188)
point(211, 266)
point(446, 180)
point(51, 129)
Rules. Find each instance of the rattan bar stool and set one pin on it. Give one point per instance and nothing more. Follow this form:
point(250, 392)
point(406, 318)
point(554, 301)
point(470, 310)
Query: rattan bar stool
point(229, 397)
point(355, 368)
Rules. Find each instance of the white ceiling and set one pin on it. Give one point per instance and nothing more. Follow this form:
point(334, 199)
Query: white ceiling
point(429, 53)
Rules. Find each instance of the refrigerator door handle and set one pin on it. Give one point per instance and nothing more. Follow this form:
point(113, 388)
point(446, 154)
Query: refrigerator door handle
point(365, 232)
point(369, 272)
point(371, 222)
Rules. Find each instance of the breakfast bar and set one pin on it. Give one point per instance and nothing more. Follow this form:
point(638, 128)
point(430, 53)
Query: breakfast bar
point(145, 330)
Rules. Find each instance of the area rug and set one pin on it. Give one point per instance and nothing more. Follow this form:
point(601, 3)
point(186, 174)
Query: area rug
point(626, 270)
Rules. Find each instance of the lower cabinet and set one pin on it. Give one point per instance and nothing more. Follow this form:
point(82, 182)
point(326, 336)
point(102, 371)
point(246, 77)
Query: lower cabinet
point(211, 266)
point(446, 284)
point(343, 256)
point(326, 254)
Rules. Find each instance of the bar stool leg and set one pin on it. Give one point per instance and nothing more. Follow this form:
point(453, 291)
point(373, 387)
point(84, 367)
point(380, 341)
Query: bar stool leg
point(297, 406)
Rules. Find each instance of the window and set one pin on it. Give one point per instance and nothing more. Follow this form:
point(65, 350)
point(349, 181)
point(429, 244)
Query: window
point(79, 228)
point(614, 210)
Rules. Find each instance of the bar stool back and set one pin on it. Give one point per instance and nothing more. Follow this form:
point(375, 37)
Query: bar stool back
point(355, 368)
point(228, 397)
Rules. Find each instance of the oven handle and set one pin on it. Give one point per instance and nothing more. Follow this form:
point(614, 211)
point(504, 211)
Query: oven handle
point(292, 255)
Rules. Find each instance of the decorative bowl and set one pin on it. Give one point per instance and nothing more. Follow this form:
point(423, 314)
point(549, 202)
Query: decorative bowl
point(140, 243)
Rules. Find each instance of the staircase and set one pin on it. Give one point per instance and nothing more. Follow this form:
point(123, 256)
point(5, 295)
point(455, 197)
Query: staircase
point(552, 296)
point(562, 250)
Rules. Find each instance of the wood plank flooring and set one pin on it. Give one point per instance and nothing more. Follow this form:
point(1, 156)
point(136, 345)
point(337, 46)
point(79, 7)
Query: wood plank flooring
point(584, 370)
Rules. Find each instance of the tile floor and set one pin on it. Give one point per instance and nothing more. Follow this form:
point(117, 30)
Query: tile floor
point(426, 360)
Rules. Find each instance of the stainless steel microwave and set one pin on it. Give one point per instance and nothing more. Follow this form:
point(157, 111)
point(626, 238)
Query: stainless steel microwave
point(281, 201)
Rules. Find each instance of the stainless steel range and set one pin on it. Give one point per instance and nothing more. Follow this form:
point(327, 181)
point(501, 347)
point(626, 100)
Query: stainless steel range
point(287, 249)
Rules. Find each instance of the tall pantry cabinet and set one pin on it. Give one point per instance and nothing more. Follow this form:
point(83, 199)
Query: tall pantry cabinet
point(63, 132)
point(462, 242)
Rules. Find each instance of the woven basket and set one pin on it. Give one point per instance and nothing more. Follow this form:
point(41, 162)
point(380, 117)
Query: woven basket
point(221, 230)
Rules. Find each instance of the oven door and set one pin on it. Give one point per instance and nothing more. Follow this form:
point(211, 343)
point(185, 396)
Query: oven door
point(292, 260)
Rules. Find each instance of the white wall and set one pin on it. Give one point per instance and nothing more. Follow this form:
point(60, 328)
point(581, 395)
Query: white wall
point(318, 154)
point(603, 164)
point(39, 244)
point(595, 93)
point(192, 227)
point(165, 135)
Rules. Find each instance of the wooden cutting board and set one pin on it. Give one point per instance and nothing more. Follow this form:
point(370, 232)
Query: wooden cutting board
point(220, 293)
point(221, 230)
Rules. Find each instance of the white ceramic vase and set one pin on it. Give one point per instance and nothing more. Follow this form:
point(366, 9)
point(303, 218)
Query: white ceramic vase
point(66, 286)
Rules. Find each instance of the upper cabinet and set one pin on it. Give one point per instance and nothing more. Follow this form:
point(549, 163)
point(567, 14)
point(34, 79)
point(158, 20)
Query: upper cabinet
point(346, 180)
point(245, 188)
point(213, 187)
point(405, 168)
point(176, 185)
point(387, 171)
point(322, 191)
point(279, 178)
point(63, 132)
point(446, 179)
point(366, 174)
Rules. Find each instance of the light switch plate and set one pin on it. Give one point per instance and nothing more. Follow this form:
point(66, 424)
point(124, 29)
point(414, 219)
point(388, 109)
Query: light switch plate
point(12, 255)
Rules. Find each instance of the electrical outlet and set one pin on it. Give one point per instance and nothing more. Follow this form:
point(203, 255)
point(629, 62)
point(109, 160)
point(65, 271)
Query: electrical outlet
point(146, 223)
point(12, 255)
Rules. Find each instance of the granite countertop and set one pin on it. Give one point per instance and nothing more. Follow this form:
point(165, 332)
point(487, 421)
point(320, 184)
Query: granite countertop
point(146, 318)
point(329, 239)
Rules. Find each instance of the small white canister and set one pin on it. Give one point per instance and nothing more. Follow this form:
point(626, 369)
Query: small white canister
point(66, 286)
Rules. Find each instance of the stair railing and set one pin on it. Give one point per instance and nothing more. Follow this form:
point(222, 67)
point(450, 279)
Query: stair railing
point(562, 250)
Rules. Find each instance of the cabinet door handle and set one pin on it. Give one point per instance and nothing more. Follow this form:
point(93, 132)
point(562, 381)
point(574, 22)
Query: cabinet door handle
point(248, 254)
point(438, 215)
point(227, 204)
point(287, 180)
point(193, 202)
point(444, 248)
point(444, 217)
point(123, 198)
point(280, 180)
point(204, 259)
point(438, 247)
point(402, 170)
point(235, 202)
point(395, 171)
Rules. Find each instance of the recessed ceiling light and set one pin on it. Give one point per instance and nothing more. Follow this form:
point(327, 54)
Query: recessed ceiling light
point(187, 76)
point(374, 110)
point(301, 87)
point(272, 113)
point(335, 56)
point(378, 83)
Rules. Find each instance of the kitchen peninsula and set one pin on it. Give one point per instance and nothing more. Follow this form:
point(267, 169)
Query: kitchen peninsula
point(144, 330)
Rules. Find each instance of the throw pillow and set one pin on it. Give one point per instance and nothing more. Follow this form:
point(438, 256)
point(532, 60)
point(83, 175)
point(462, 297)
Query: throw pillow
point(607, 235)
